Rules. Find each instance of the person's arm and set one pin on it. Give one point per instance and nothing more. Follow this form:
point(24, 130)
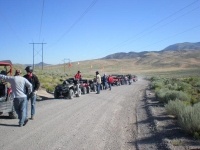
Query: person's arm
point(37, 83)
point(28, 85)
point(6, 78)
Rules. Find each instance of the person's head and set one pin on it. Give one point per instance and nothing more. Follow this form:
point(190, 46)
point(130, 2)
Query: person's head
point(17, 72)
point(29, 69)
point(78, 72)
point(97, 72)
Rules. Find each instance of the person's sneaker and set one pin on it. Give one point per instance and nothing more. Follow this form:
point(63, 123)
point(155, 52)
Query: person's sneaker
point(20, 125)
point(25, 122)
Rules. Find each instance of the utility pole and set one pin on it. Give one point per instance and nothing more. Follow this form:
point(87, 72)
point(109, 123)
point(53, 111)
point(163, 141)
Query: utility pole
point(64, 62)
point(34, 53)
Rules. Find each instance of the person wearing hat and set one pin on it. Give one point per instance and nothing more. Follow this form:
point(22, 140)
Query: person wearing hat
point(78, 76)
point(33, 79)
point(18, 85)
point(98, 79)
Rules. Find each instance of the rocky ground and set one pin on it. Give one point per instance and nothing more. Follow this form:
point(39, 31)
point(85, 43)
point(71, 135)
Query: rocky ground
point(155, 126)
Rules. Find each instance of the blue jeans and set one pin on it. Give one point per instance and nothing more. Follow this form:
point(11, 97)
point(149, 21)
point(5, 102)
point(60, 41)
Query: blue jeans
point(20, 108)
point(98, 88)
point(33, 101)
point(109, 85)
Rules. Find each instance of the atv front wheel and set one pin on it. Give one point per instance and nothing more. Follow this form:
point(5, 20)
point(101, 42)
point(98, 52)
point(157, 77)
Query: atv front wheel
point(88, 90)
point(71, 94)
point(84, 90)
point(78, 93)
point(56, 95)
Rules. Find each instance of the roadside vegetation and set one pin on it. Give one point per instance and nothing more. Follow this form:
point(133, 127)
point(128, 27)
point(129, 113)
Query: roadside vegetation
point(181, 97)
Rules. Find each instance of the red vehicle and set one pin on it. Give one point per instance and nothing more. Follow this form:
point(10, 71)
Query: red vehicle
point(85, 86)
point(6, 98)
point(116, 80)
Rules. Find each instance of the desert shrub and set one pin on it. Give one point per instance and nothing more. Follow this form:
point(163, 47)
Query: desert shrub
point(157, 84)
point(189, 119)
point(171, 86)
point(182, 86)
point(173, 95)
point(160, 94)
point(165, 95)
point(50, 88)
point(197, 84)
point(174, 107)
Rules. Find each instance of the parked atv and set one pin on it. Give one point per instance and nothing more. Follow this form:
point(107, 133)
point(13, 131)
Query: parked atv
point(85, 87)
point(64, 90)
point(6, 98)
point(116, 80)
point(68, 89)
point(93, 85)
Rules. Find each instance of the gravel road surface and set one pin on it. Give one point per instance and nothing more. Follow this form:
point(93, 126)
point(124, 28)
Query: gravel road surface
point(105, 121)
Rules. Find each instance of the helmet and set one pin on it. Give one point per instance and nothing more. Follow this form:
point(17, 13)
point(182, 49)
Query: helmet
point(29, 69)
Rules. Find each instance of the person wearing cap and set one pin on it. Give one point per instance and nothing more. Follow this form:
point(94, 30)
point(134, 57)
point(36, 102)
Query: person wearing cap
point(98, 79)
point(33, 79)
point(78, 76)
point(18, 85)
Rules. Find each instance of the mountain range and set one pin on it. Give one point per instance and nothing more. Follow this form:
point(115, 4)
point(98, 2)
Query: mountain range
point(177, 56)
point(179, 47)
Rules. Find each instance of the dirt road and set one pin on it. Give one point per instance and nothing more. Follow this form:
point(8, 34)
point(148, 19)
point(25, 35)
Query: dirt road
point(92, 122)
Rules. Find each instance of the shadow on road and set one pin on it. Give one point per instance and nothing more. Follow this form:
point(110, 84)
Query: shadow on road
point(9, 125)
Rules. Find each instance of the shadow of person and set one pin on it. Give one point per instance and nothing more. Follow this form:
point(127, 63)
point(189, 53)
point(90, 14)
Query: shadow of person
point(9, 125)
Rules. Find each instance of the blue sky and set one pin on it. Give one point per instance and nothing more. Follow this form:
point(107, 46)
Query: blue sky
point(90, 29)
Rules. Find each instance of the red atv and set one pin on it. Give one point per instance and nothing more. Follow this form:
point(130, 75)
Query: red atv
point(6, 98)
point(116, 80)
point(85, 86)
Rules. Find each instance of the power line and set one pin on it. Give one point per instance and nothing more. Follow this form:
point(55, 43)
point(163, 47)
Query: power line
point(78, 20)
point(148, 28)
point(173, 35)
point(161, 26)
point(41, 19)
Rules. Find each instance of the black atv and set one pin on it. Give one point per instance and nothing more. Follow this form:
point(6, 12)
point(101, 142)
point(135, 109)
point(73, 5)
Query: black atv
point(68, 89)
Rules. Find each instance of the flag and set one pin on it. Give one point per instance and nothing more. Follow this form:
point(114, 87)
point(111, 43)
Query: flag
point(69, 65)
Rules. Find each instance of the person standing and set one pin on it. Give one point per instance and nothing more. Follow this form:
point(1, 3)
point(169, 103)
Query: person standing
point(33, 79)
point(98, 79)
point(110, 81)
point(18, 85)
point(105, 82)
point(78, 76)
